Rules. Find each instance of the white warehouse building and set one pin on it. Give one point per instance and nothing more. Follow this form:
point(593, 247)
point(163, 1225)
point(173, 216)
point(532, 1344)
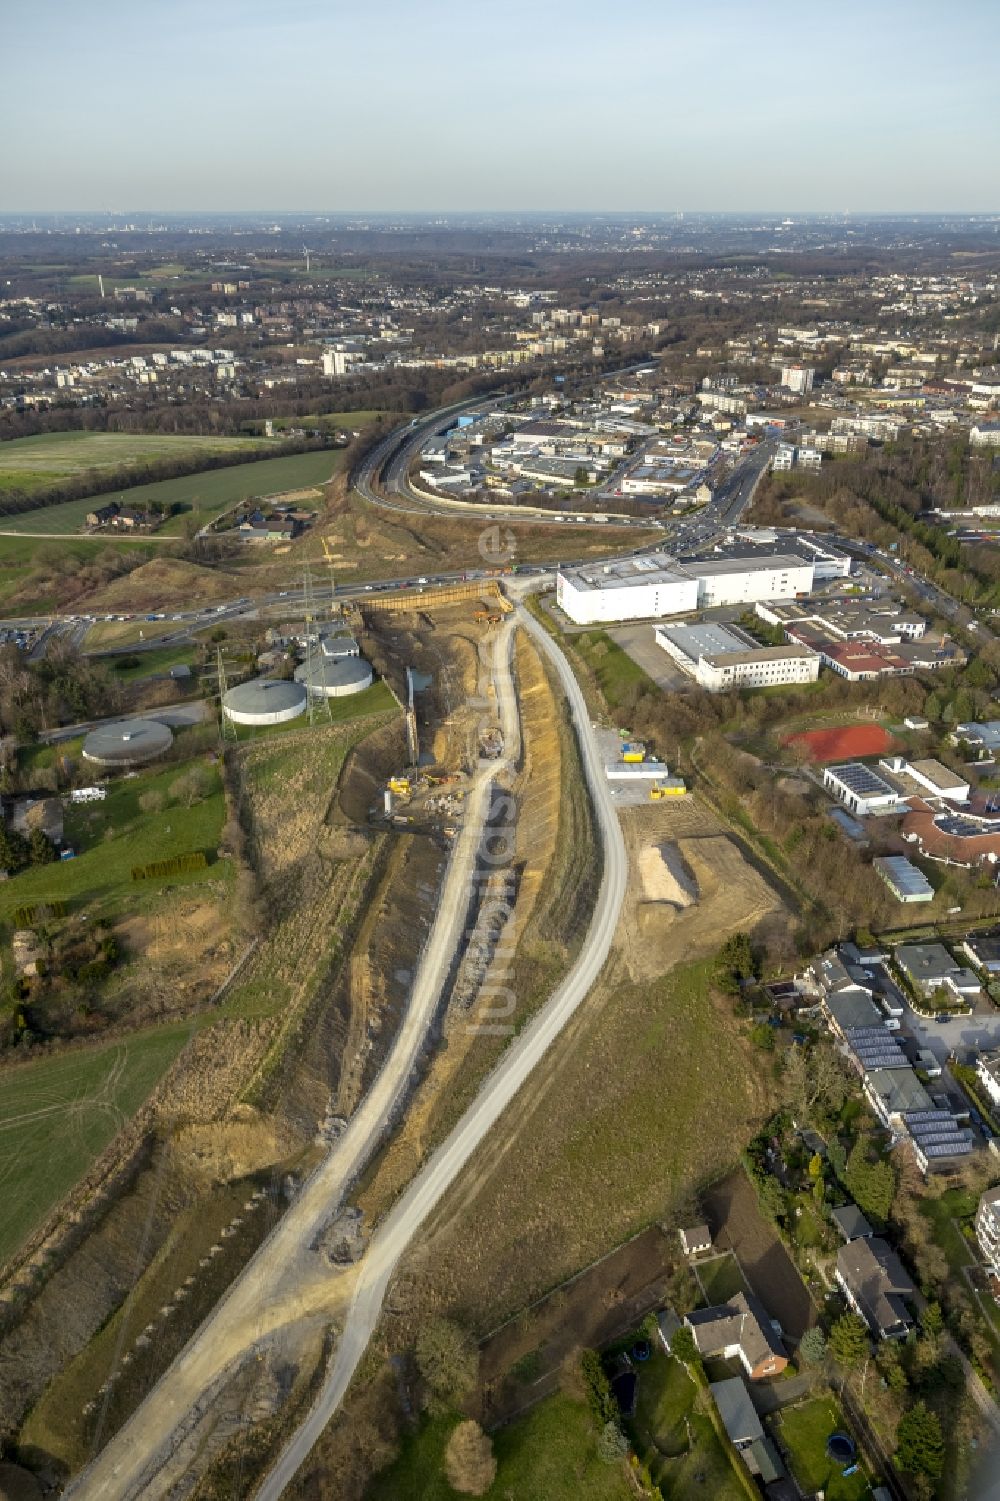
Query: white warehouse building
point(656, 585)
point(650, 586)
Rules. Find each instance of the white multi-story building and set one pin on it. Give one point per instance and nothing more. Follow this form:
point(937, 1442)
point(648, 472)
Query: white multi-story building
point(988, 1072)
point(655, 585)
point(988, 1229)
point(798, 378)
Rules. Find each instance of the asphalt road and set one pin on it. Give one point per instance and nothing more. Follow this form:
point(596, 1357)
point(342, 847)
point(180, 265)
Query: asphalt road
point(268, 1293)
point(497, 1092)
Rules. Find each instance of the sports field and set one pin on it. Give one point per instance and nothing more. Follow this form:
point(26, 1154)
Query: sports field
point(203, 494)
point(29, 464)
point(58, 1114)
point(844, 742)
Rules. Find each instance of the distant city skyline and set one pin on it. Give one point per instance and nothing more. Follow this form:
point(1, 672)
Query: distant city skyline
point(557, 106)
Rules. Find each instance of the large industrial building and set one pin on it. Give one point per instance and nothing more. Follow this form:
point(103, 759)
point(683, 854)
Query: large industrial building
point(127, 742)
point(264, 701)
point(656, 585)
point(720, 657)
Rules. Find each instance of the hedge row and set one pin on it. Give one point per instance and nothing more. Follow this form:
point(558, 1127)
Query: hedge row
point(196, 860)
point(25, 916)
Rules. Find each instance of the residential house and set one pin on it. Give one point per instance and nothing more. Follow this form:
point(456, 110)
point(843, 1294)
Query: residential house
point(696, 1241)
point(851, 1223)
point(984, 950)
point(104, 515)
point(740, 1328)
point(876, 1286)
point(929, 967)
point(745, 1430)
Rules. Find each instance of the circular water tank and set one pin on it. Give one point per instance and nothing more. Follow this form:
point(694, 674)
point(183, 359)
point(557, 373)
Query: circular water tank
point(127, 742)
point(335, 679)
point(264, 701)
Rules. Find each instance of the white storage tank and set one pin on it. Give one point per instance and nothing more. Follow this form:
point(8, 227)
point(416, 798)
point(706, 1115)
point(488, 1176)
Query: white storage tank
point(325, 679)
point(264, 701)
point(127, 742)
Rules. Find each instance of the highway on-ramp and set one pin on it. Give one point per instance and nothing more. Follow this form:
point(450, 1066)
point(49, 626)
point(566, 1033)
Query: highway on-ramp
point(496, 1093)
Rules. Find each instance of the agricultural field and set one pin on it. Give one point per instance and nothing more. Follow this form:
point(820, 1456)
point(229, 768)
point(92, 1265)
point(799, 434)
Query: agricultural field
point(30, 464)
point(58, 1114)
point(204, 495)
point(552, 1452)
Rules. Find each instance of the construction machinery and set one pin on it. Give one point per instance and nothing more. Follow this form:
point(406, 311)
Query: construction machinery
point(401, 786)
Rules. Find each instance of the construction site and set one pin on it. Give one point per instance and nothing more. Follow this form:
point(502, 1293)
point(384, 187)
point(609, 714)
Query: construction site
point(425, 877)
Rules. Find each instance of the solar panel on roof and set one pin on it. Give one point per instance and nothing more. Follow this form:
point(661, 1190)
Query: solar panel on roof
point(939, 1138)
point(861, 779)
point(960, 1149)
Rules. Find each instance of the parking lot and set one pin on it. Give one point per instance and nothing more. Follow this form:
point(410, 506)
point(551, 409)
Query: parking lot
point(640, 644)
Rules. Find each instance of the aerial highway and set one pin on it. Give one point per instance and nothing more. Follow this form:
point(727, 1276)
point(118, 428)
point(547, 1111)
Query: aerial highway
point(498, 1090)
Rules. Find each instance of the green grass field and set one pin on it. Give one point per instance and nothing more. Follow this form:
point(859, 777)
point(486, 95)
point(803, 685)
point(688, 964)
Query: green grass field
point(348, 421)
point(159, 660)
point(613, 668)
point(205, 494)
point(804, 1431)
point(676, 1441)
point(20, 563)
point(112, 836)
point(550, 1453)
point(33, 463)
point(721, 1279)
point(58, 1114)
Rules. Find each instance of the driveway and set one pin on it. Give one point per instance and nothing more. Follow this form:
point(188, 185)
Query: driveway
point(962, 1035)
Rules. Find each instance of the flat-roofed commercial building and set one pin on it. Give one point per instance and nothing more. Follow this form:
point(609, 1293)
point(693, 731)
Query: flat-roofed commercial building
point(656, 585)
point(631, 589)
point(720, 657)
point(860, 789)
point(904, 880)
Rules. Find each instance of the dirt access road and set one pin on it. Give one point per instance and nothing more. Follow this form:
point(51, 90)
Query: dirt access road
point(288, 1277)
point(498, 1090)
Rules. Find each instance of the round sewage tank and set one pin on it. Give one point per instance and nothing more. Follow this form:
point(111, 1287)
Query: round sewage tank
point(264, 701)
point(334, 679)
point(127, 742)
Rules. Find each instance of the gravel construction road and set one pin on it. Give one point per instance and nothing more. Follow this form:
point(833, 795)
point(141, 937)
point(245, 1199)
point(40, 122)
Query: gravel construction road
point(271, 1291)
point(497, 1092)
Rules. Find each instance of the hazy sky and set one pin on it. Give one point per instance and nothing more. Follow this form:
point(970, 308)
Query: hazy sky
point(499, 104)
